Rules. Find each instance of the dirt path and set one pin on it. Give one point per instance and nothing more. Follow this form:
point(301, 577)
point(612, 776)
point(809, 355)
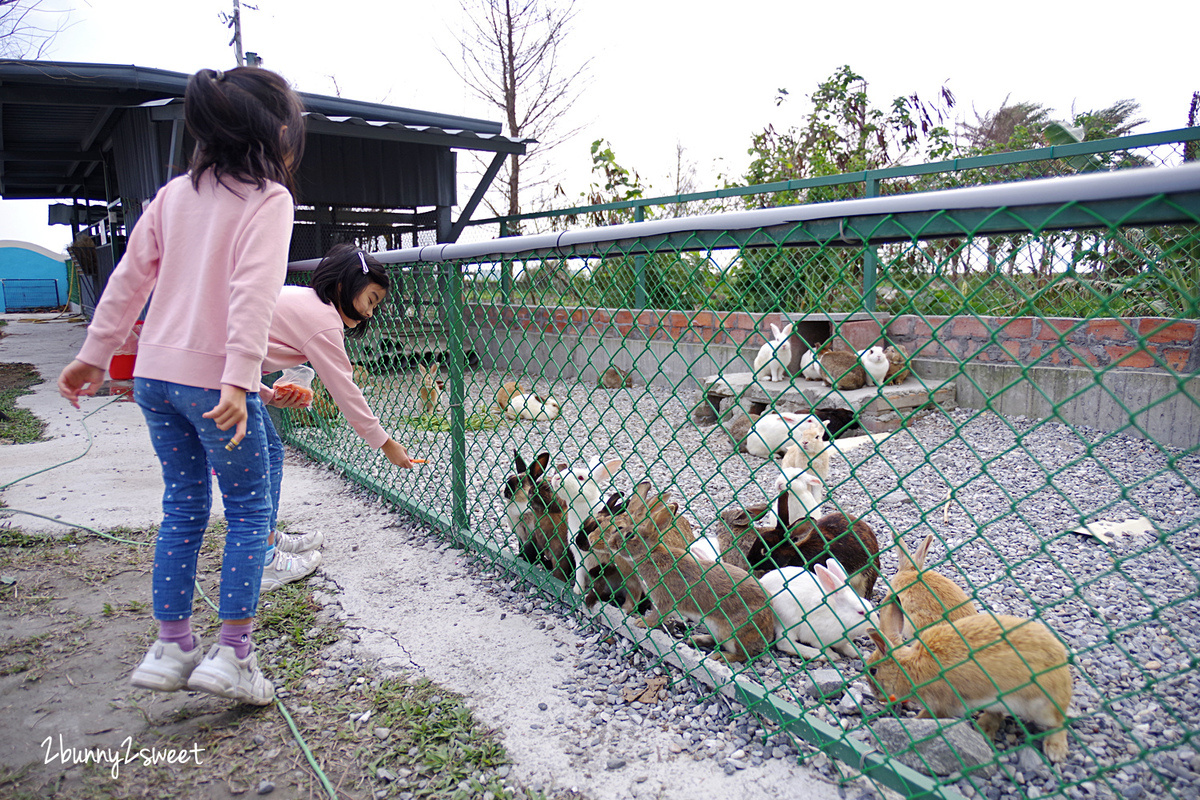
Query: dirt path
point(408, 603)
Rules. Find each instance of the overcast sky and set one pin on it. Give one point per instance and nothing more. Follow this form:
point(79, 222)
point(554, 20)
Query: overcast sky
point(663, 72)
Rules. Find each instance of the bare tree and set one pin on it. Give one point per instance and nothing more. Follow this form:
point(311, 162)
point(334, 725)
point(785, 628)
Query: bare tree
point(510, 58)
point(27, 29)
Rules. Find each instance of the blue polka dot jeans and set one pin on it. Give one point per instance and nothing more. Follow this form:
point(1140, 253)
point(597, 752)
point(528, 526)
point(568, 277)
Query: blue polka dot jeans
point(187, 444)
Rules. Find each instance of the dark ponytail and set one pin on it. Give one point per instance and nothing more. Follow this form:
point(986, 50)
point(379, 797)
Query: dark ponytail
point(340, 277)
point(248, 125)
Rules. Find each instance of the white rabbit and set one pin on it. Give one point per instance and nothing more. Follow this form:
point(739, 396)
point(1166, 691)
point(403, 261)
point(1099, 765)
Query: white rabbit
point(773, 432)
point(578, 489)
point(532, 407)
point(816, 611)
point(805, 491)
point(776, 355)
point(705, 549)
point(875, 363)
point(810, 366)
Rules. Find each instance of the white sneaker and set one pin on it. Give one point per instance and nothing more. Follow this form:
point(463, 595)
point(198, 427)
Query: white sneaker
point(298, 542)
point(166, 667)
point(288, 567)
point(223, 674)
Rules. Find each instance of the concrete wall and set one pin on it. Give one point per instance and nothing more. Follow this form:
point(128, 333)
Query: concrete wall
point(673, 348)
point(1137, 376)
point(26, 260)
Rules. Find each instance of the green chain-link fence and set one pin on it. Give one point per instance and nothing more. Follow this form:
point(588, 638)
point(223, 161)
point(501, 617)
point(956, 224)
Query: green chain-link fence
point(1042, 429)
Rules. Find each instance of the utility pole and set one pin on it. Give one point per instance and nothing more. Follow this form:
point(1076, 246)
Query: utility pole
point(234, 21)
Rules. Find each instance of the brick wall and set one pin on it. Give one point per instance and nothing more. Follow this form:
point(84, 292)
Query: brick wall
point(711, 327)
point(1134, 343)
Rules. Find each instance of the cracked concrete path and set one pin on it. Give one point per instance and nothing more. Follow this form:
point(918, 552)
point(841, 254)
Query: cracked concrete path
point(411, 602)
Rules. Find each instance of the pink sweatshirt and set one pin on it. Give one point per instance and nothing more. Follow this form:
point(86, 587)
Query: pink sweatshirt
point(307, 329)
point(215, 263)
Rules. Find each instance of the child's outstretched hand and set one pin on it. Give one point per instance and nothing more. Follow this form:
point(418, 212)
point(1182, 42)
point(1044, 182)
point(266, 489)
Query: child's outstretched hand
point(78, 378)
point(230, 412)
point(396, 454)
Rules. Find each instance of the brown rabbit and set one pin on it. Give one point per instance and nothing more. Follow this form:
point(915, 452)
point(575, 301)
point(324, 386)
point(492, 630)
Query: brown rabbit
point(990, 662)
point(737, 532)
point(801, 541)
point(812, 542)
point(661, 517)
point(430, 388)
point(730, 603)
point(538, 518)
point(897, 358)
point(610, 580)
point(926, 597)
point(842, 370)
point(613, 378)
point(505, 392)
point(737, 427)
point(657, 519)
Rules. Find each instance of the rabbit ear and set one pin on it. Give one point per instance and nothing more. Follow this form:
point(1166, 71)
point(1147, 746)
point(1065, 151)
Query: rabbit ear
point(826, 578)
point(922, 551)
point(787, 331)
point(879, 641)
point(539, 465)
point(891, 622)
point(836, 569)
point(775, 332)
point(603, 470)
point(637, 502)
point(906, 559)
point(520, 461)
point(782, 509)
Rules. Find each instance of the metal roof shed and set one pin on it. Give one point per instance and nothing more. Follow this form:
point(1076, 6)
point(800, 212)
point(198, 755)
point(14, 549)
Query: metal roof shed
point(114, 134)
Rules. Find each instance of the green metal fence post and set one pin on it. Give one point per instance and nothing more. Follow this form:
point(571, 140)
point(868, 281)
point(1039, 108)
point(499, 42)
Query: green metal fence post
point(871, 252)
point(639, 267)
point(456, 336)
point(506, 276)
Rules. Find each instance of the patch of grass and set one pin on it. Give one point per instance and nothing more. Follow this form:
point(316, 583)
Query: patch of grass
point(476, 421)
point(18, 425)
point(436, 743)
point(15, 537)
point(288, 617)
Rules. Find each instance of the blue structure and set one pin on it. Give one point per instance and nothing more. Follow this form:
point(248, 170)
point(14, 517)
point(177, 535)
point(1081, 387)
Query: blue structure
point(31, 277)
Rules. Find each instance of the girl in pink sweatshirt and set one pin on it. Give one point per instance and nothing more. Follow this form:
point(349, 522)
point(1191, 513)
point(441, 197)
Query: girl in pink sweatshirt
point(211, 252)
point(311, 324)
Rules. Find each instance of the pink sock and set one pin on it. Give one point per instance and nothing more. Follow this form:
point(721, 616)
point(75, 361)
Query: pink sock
point(178, 631)
point(237, 636)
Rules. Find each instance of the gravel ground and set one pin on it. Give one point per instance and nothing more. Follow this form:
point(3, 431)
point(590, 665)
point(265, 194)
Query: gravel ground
point(1128, 612)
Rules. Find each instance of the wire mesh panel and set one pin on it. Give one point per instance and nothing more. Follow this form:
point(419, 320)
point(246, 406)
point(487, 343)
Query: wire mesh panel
point(916, 479)
point(27, 294)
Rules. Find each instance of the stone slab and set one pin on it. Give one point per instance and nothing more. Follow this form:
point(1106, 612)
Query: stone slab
point(878, 408)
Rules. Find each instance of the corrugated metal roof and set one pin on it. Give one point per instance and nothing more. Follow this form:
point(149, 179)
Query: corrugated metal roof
point(57, 121)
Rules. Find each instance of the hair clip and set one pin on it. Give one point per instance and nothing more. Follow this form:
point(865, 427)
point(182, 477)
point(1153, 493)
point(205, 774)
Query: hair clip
point(218, 75)
point(362, 260)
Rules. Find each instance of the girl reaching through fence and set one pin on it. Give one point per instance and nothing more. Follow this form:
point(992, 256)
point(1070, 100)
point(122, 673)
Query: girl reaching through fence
point(212, 247)
point(310, 324)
